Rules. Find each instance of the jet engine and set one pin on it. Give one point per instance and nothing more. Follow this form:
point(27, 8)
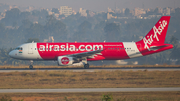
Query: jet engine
point(64, 60)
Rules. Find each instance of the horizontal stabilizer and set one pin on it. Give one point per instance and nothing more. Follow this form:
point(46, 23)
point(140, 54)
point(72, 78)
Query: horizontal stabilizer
point(154, 48)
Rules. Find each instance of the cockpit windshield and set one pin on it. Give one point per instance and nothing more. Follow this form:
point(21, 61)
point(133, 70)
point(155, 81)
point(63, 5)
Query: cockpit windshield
point(19, 48)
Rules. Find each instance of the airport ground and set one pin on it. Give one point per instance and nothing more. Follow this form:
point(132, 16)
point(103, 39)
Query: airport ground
point(96, 79)
point(116, 96)
point(91, 66)
point(83, 79)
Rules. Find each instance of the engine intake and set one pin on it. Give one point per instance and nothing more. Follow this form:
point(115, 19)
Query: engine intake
point(64, 60)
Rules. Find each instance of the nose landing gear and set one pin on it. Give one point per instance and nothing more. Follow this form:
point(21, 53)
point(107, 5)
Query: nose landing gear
point(31, 66)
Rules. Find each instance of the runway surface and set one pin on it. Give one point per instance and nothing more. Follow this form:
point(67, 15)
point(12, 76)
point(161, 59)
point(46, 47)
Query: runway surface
point(92, 69)
point(87, 90)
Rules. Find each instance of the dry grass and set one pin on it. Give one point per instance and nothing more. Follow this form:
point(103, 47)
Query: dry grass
point(97, 79)
point(91, 66)
point(117, 96)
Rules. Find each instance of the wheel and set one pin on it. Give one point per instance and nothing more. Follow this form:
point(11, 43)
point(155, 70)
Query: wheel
point(86, 66)
point(31, 67)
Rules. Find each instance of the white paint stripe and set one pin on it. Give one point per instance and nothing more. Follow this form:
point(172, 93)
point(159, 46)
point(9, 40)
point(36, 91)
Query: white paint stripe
point(88, 90)
point(132, 50)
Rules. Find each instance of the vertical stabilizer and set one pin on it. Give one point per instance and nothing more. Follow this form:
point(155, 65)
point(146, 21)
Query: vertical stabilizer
point(157, 34)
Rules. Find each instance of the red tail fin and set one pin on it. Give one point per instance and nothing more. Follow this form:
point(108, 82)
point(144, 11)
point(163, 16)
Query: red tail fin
point(157, 34)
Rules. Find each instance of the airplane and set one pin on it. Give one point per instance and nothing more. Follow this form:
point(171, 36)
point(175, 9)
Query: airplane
point(68, 53)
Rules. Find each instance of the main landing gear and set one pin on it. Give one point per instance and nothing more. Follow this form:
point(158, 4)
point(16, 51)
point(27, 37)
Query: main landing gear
point(31, 66)
point(86, 65)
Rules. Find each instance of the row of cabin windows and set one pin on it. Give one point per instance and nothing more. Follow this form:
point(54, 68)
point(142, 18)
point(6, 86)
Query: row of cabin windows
point(117, 48)
point(82, 48)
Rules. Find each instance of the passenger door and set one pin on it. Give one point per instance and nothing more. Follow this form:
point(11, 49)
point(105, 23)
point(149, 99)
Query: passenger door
point(30, 49)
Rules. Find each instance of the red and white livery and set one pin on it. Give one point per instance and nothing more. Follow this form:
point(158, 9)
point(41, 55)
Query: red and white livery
point(68, 53)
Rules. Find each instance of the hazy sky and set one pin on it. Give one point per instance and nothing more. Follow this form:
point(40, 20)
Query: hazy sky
point(94, 5)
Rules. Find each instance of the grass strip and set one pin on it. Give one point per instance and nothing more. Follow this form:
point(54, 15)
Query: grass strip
point(97, 79)
point(116, 96)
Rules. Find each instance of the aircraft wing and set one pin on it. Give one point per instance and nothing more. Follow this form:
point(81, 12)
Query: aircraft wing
point(90, 54)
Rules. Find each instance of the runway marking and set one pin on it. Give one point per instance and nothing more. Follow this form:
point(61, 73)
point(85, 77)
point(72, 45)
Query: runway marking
point(88, 90)
point(92, 69)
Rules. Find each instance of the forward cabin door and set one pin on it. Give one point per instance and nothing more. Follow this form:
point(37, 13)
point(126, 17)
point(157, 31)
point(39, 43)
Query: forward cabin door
point(30, 49)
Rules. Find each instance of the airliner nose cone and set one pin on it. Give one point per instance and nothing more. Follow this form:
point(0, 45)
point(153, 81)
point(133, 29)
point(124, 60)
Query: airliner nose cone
point(11, 54)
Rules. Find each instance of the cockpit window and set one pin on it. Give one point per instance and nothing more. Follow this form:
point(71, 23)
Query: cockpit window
point(19, 48)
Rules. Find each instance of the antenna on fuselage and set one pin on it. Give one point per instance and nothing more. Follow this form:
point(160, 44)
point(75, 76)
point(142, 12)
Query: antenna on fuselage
point(52, 38)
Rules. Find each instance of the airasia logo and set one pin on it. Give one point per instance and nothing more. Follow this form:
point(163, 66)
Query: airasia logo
point(65, 60)
point(155, 36)
point(69, 47)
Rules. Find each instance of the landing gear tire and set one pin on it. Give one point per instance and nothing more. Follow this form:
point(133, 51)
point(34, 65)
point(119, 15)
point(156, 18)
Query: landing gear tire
point(31, 67)
point(31, 64)
point(86, 66)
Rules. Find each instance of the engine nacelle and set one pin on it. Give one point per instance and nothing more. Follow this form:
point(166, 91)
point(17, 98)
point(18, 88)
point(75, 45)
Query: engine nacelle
point(64, 60)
